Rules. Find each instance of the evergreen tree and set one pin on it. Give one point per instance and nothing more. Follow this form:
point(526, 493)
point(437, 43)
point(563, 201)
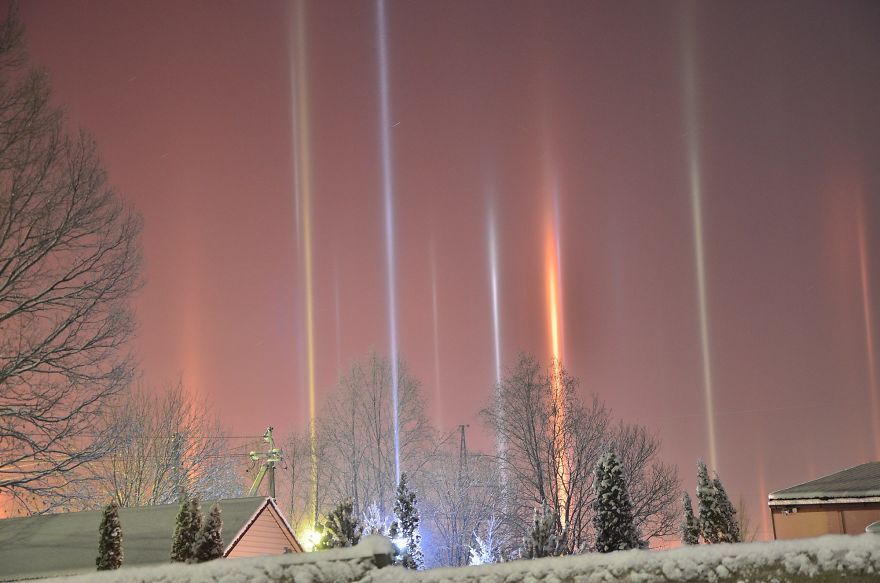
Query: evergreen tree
point(373, 521)
point(110, 542)
point(690, 528)
point(341, 528)
point(546, 537)
point(612, 507)
point(405, 528)
point(195, 526)
point(182, 541)
point(712, 523)
point(209, 544)
point(730, 526)
point(180, 545)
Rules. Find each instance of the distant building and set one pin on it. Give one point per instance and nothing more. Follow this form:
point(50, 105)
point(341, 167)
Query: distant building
point(67, 544)
point(842, 503)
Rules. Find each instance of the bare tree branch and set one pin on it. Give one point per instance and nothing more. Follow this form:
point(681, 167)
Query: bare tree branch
point(69, 261)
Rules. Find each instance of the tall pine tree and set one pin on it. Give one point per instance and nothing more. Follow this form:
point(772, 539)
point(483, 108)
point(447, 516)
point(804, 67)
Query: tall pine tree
point(110, 541)
point(405, 528)
point(341, 528)
point(713, 525)
point(209, 543)
point(547, 537)
point(612, 507)
point(690, 528)
point(730, 527)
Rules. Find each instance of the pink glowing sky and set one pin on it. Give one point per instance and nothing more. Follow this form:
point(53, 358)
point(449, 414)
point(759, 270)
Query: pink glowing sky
point(191, 105)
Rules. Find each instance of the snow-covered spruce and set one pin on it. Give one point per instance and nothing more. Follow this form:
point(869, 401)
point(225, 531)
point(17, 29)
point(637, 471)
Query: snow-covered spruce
point(717, 516)
point(729, 522)
point(209, 543)
point(690, 528)
point(612, 507)
point(710, 518)
point(405, 528)
point(183, 538)
point(110, 541)
point(547, 537)
point(341, 528)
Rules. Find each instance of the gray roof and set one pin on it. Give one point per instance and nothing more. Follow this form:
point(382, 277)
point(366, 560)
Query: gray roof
point(61, 544)
point(859, 482)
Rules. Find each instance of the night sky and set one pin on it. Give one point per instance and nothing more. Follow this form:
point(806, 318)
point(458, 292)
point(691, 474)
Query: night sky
point(588, 131)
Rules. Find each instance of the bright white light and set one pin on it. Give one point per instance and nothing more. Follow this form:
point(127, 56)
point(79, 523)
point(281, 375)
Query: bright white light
point(493, 273)
point(400, 543)
point(692, 131)
point(309, 538)
point(388, 199)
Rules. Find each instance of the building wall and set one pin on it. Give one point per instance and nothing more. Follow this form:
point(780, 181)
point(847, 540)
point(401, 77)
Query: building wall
point(821, 519)
point(267, 535)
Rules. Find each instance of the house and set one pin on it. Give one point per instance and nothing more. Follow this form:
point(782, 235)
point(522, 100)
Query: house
point(64, 544)
point(843, 503)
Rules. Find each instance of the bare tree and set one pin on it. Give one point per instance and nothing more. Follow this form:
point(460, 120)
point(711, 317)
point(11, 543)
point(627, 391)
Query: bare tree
point(356, 431)
point(462, 494)
point(301, 483)
point(748, 532)
point(654, 486)
point(167, 444)
point(553, 441)
point(69, 261)
point(552, 444)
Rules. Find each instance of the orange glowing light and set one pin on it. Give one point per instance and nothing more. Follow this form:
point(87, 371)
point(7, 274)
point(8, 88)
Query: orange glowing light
point(554, 309)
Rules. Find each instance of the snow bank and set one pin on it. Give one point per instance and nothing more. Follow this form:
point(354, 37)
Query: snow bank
point(824, 559)
point(341, 565)
point(820, 560)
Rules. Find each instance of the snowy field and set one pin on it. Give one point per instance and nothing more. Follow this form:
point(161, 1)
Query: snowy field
point(825, 559)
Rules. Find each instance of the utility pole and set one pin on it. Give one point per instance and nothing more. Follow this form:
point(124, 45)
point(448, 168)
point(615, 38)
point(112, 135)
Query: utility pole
point(271, 457)
point(462, 545)
point(462, 453)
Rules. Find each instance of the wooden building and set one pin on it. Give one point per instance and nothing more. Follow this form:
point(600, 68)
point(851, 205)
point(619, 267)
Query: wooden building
point(843, 503)
point(66, 544)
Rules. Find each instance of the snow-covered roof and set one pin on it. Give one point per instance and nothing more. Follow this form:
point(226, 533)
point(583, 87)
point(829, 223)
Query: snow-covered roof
point(59, 544)
point(853, 484)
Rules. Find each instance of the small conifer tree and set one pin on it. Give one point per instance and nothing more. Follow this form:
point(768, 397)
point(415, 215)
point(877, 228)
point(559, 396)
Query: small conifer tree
point(341, 528)
point(612, 507)
point(209, 544)
point(690, 528)
point(182, 541)
point(546, 538)
point(110, 541)
point(373, 522)
point(405, 528)
point(195, 526)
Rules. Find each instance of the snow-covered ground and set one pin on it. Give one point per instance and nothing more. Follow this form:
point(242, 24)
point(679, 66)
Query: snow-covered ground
point(824, 559)
point(341, 565)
